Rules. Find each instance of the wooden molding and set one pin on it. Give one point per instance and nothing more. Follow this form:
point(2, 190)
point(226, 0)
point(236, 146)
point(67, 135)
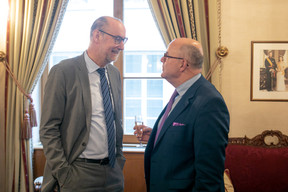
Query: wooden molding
point(265, 139)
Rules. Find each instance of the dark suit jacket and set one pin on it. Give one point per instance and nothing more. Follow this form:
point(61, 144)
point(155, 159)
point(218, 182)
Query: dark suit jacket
point(190, 151)
point(270, 75)
point(66, 117)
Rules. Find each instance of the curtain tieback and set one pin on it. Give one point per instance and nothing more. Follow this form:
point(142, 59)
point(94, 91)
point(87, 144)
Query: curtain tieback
point(29, 120)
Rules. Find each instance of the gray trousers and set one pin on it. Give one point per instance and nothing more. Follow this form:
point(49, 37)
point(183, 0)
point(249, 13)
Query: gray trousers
point(92, 177)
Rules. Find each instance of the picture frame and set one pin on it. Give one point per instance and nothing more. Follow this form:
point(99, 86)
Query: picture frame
point(269, 71)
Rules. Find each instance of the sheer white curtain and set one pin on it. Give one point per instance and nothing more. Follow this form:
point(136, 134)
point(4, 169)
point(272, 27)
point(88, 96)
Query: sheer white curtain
point(32, 29)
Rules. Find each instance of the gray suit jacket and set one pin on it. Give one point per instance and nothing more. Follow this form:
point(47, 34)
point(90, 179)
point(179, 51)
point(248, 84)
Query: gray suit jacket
point(66, 117)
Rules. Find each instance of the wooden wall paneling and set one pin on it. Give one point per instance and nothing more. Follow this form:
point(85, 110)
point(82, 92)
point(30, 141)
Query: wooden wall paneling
point(134, 179)
point(133, 170)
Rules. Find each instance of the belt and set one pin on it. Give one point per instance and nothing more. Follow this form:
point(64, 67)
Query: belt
point(104, 161)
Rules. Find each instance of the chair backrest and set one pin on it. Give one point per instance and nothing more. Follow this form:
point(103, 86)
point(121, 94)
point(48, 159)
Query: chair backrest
point(260, 163)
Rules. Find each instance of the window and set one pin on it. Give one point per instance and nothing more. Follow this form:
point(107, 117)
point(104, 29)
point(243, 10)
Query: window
point(74, 35)
point(144, 91)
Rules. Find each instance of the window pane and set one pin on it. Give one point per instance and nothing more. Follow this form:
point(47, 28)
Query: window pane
point(129, 124)
point(155, 88)
point(37, 103)
point(144, 38)
point(154, 64)
point(144, 97)
point(154, 107)
point(141, 29)
point(133, 88)
point(74, 34)
point(143, 64)
point(133, 63)
point(133, 107)
point(151, 122)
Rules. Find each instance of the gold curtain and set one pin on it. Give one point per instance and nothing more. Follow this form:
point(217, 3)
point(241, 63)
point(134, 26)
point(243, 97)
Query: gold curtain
point(33, 27)
point(183, 18)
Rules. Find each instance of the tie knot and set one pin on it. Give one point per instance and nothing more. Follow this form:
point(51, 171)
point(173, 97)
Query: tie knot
point(174, 94)
point(101, 71)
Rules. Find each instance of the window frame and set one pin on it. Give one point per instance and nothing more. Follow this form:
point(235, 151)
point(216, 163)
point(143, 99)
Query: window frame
point(119, 13)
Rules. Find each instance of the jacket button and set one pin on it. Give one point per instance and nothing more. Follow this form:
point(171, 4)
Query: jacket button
point(84, 144)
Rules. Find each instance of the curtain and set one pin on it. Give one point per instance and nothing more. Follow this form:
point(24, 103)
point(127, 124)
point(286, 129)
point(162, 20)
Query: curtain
point(32, 28)
point(183, 18)
point(3, 29)
point(2, 125)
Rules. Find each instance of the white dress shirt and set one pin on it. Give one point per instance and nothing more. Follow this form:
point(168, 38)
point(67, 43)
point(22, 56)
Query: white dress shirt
point(97, 146)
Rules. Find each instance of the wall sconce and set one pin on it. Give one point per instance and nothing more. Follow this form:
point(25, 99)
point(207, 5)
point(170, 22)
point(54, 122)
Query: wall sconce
point(2, 56)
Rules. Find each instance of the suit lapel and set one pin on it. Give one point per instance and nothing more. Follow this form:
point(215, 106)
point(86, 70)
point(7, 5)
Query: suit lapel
point(84, 81)
point(184, 102)
point(181, 105)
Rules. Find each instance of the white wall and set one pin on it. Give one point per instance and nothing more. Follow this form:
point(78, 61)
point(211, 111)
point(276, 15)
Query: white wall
point(244, 21)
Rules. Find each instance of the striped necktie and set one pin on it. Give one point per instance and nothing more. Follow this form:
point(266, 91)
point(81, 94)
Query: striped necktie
point(109, 116)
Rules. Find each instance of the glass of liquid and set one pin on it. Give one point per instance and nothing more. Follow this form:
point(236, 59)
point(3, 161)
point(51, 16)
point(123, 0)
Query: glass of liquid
point(139, 131)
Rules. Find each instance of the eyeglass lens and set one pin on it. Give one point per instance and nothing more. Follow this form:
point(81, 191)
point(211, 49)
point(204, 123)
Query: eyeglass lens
point(117, 39)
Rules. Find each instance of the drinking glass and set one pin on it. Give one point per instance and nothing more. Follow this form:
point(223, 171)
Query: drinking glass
point(139, 121)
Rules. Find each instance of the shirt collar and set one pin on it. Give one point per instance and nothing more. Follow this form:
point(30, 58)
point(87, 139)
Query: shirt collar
point(90, 64)
point(187, 84)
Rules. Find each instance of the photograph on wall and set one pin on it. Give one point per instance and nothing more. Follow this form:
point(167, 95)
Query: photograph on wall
point(269, 71)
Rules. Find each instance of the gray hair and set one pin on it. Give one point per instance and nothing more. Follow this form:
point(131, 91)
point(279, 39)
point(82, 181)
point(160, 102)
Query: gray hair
point(193, 55)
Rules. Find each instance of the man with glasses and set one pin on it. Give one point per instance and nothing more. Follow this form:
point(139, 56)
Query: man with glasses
point(186, 147)
point(81, 128)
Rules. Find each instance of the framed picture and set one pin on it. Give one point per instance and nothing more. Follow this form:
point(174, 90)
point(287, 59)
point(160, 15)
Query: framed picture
point(269, 71)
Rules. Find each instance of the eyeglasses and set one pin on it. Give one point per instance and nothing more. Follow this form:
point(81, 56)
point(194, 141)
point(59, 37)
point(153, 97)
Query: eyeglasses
point(117, 39)
point(167, 56)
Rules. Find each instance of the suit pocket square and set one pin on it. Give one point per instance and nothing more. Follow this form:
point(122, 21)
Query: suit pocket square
point(178, 124)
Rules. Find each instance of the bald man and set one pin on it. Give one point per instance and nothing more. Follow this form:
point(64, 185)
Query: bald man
point(186, 148)
point(74, 129)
